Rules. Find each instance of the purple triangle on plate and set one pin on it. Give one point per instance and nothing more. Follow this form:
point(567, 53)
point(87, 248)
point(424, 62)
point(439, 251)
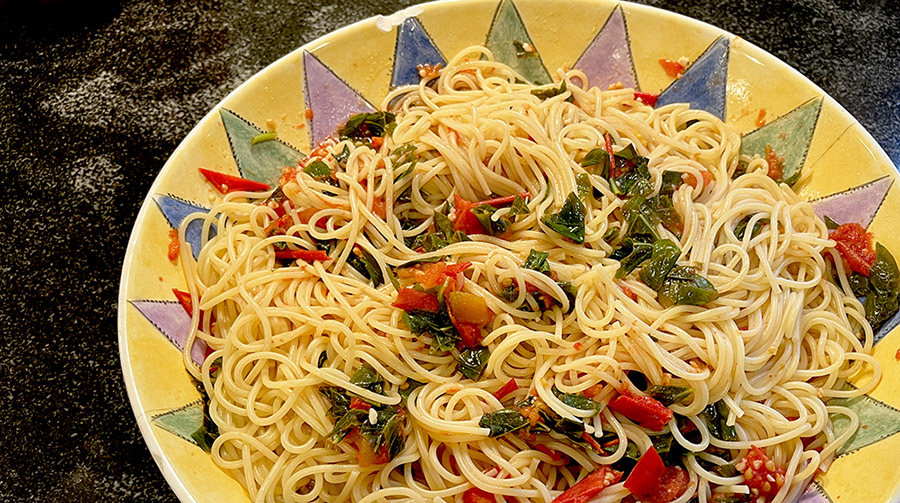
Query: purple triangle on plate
point(814, 494)
point(173, 322)
point(331, 100)
point(856, 205)
point(608, 59)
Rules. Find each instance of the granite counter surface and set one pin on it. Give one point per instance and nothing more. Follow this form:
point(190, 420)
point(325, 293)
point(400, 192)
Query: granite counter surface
point(93, 99)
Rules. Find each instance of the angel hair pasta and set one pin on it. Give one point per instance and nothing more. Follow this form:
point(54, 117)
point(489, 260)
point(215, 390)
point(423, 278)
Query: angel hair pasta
point(492, 291)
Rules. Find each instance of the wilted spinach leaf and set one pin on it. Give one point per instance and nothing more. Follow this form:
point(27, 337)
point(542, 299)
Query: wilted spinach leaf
point(684, 286)
point(664, 255)
point(569, 221)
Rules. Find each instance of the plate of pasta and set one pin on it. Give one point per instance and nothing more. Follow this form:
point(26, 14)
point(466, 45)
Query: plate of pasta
point(502, 265)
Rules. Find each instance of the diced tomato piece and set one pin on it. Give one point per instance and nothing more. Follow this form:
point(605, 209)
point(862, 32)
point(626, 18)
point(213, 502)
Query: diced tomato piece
point(377, 142)
point(307, 255)
point(366, 456)
point(629, 292)
point(229, 183)
point(673, 69)
point(307, 214)
point(643, 481)
point(433, 276)
point(379, 207)
point(647, 98)
point(184, 298)
point(409, 299)
point(855, 246)
point(589, 487)
point(506, 389)
point(466, 221)
point(359, 403)
point(476, 495)
point(692, 181)
point(776, 164)
point(174, 245)
point(469, 333)
point(645, 411)
point(593, 391)
point(674, 483)
point(469, 308)
point(762, 475)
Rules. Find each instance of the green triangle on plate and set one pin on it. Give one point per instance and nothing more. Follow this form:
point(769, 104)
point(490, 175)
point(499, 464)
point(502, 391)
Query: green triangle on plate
point(510, 43)
point(877, 421)
point(789, 136)
point(263, 161)
point(182, 421)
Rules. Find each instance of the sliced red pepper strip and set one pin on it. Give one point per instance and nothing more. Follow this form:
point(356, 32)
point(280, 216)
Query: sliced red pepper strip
point(501, 201)
point(647, 98)
point(587, 437)
point(507, 388)
point(589, 487)
point(184, 298)
point(613, 169)
point(307, 255)
point(643, 410)
point(454, 269)
point(409, 299)
point(229, 183)
point(476, 495)
point(643, 481)
point(554, 455)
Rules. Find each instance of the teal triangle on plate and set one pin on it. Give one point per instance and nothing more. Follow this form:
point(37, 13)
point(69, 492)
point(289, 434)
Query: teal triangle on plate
point(331, 100)
point(856, 205)
point(263, 161)
point(175, 209)
point(704, 83)
point(607, 60)
point(509, 41)
point(877, 421)
point(413, 48)
point(173, 322)
point(789, 136)
point(183, 421)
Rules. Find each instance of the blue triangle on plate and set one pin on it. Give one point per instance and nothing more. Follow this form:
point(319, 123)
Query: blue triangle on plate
point(414, 47)
point(175, 210)
point(703, 83)
point(262, 162)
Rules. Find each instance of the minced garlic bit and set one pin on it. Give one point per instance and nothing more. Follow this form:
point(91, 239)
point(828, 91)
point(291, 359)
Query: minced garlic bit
point(373, 416)
point(617, 85)
point(684, 61)
point(270, 124)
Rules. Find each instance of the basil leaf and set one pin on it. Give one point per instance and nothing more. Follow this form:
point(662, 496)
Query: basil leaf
point(323, 358)
point(353, 417)
point(550, 92)
point(208, 431)
point(671, 181)
point(471, 362)
point(636, 177)
point(716, 416)
point(668, 395)
point(569, 221)
point(599, 158)
point(726, 470)
point(830, 224)
point(393, 436)
point(883, 275)
point(365, 263)
point(519, 207)
point(367, 125)
point(741, 228)
point(537, 261)
point(342, 157)
point(340, 400)
point(663, 257)
point(503, 421)
point(318, 170)
point(633, 252)
point(859, 284)
point(579, 402)
point(572, 430)
point(484, 214)
point(438, 325)
point(684, 286)
point(366, 377)
point(880, 307)
point(611, 234)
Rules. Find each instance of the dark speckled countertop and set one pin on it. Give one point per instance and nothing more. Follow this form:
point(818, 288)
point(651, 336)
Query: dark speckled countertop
point(95, 96)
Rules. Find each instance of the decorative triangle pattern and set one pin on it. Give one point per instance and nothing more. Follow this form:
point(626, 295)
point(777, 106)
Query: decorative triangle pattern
point(704, 83)
point(173, 322)
point(886, 328)
point(608, 59)
point(330, 99)
point(856, 205)
point(175, 210)
point(262, 162)
point(507, 32)
point(414, 47)
point(182, 421)
point(814, 493)
point(789, 136)
point(877, 421)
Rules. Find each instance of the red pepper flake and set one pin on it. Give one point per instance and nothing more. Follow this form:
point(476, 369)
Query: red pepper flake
point(174, 245)
point(587, 437)
point(673, 69)
point(307, 255)
point(308, 114)
point(377, 142)
point(897, 355)
point(776, 164)
point(629, 292)
point(577, 346)
point(761, 118)
point(507, 388)
point(692, 181)
point(359, 403)
point(855, 246)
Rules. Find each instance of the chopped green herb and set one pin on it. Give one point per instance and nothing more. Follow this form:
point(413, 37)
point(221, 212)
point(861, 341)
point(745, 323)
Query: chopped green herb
point(503, 421)
point(471, 362)
point(671, 180)
point(633, 252)
point(365, 263)
point(519, 206)
point(668, 395)
point(663, 257)
point(537, 261)
point(599, 158)
point(550, 92)
point(611, 234)
point(569, 221)
point(263, 137)
point(716, 416)
point(366, 377)
point(741, 228)
point(342, 157)
point(323, 358)
point(685, 286)
point(438, 325)
point(830, 224)
point(317, 169)
point(579, 402)
point(367, 125)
